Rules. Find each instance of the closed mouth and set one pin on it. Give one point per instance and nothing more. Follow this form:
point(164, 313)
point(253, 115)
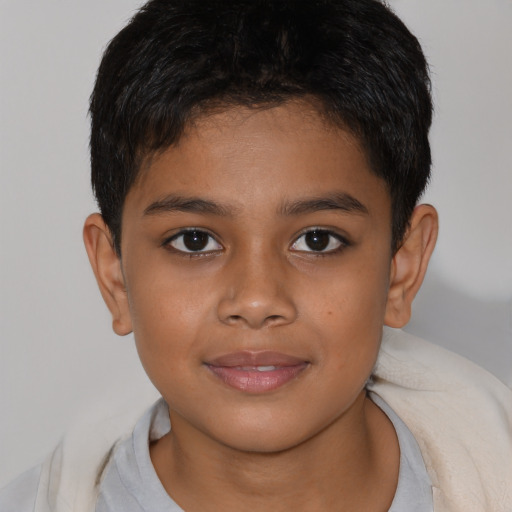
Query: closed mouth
point(256, 372)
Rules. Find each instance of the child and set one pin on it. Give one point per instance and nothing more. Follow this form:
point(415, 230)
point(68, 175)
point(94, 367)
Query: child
point(257, 165)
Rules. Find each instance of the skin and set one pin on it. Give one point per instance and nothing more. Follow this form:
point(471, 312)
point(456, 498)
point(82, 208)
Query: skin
point(317, 442)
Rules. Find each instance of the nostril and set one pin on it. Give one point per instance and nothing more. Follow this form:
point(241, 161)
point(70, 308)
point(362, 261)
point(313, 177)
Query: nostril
point(248, 319)
point(255, 307)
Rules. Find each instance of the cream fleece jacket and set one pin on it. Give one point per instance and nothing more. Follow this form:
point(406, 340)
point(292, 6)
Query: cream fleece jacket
point(460, 415)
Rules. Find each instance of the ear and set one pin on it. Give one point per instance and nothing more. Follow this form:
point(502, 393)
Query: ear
point(106, 265)
point(409, 265)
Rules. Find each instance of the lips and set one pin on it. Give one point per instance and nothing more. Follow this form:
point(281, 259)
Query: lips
point(256, 372)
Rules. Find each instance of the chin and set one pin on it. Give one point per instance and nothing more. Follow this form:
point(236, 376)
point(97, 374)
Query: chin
point(265, 437)
point(263, 443)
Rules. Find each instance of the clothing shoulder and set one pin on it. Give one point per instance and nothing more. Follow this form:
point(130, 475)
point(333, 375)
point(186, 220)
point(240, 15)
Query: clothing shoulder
point(67, 480)
point(20, 494)
point(460, 415)
point(447, 381)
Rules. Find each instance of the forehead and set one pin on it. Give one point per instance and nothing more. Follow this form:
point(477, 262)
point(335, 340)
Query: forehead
point(259, 156)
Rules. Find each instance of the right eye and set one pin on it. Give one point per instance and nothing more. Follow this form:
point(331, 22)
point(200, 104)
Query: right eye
point(193, 241)
point(320, 241)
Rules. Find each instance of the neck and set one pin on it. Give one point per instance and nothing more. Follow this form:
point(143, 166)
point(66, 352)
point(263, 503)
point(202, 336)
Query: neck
point(353, 463)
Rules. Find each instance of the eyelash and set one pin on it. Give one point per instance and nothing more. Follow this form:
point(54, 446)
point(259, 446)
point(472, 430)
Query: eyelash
point(167, 243)
point(342, 241)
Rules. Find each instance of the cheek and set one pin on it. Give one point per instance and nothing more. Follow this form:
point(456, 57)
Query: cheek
point(354, 298)
point(349, 313)
point(166, 316)
point(163, 300)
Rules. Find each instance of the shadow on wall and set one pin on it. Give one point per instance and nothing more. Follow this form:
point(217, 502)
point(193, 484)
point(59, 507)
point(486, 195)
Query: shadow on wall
point(477, 329)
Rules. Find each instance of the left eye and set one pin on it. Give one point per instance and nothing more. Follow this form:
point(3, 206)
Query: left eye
point(194, 240)
point(318, 240)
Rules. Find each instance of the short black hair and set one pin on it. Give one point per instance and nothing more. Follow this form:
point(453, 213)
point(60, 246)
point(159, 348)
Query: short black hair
point(178, 58)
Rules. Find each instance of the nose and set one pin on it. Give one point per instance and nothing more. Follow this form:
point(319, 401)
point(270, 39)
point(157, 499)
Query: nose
point(257, 293)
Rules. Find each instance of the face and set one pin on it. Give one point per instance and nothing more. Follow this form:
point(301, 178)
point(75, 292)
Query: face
point(256, 260)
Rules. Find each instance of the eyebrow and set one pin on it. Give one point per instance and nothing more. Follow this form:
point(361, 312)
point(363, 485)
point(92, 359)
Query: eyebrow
point(175, 203)
point(337, 201)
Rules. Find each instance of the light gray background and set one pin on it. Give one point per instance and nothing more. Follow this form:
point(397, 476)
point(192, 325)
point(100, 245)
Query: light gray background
point(58, 355)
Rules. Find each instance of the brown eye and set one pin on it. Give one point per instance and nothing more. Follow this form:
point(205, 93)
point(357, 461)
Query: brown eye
point(318, 240)
point(194, 240)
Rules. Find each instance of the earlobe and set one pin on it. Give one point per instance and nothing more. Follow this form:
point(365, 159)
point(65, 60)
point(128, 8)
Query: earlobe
point(409, 265)
point(106, 265)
